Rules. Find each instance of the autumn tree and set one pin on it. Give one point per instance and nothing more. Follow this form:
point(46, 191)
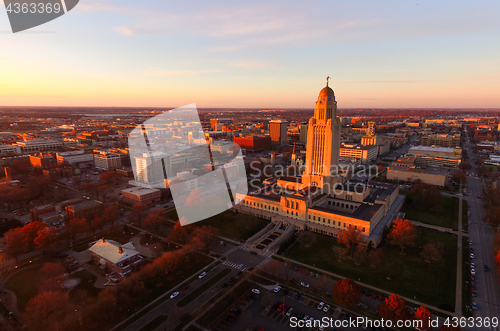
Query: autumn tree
point(350, 238)
point(15, 242)
point(492, 215)
point(154, 219)
point(76, 226)
point(423, 314)
point(360, 253)
point(208, 235)
point(31, 232)
point(110, 214)
point(46, 311)
point(108, 176)
point(46, 238)
point(394, 308)
point(273, 267)
point(178, 233)
point(465, 166)
point(347, 292)
point(52, 277)
point(403, 234)
point(432, 251)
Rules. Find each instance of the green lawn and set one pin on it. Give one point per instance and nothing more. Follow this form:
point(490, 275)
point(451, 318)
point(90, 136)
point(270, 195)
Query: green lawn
point(25, 285)
point(84, 292)
point(448, 218)
point(231, 225)
point(465, 216)
point(432, 283)
point(200, 290)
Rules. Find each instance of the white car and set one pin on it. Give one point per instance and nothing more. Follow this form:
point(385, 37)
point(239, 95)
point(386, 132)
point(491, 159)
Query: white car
point(326, 308)
point(174, 295)
point(321, 305)
point(277, 289)
point(203, 274)
point(289, 312)
point(472, 272)
point(240, 266)
point(256, 291)
point(471, 256)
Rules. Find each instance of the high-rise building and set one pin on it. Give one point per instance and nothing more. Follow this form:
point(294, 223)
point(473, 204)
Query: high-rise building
point(323, 142)
point(303, 133)
point(370, 138)
point(107, 161)
point(278, 132)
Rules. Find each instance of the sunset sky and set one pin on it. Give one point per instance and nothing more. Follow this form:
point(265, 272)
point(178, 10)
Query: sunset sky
point(256, 54)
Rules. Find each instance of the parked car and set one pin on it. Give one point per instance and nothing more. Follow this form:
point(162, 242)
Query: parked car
point(472, 271)
point(474, 306)
point(474, 293)
point(326, 308)
point(293, 280)
point(486, 268)
point(472, 265)
point(256, 291)
point(277, 289)
point(472, 256)
point(289, 312)
point(321, 305)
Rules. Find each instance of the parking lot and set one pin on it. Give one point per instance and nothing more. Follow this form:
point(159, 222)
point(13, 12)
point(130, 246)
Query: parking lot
point(261, 312)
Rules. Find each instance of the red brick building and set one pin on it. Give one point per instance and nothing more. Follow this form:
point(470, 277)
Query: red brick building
point(143, 195)
point(88, 209)
point(115, 257)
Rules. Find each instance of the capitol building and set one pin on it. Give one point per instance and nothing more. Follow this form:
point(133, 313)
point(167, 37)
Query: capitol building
point(325, 199)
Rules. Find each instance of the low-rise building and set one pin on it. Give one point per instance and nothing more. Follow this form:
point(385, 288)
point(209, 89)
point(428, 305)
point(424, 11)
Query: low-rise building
point(88, 209)
point(363, 154)
point(76, 158)
point(38, 145)
point(428, 175)
point(143, 195)
point(115, 257)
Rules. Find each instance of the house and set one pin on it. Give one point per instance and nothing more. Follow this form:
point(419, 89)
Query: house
point(115, 257)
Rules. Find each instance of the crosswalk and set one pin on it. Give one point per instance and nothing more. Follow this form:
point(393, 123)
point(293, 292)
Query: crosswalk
point(232, 265)
point(231, 250)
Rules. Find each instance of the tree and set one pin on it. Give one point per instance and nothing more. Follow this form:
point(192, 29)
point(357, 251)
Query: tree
point(52, 277)
point(76, 226)
point(492, 215)
point(31, 232)
point(360, 253)
point(45, 238)
point(178, 233)
point(273, 267)
point(208, 235)
point(432, 251)
point(108, 176)
point(15, 241)
point(423, 314)
point(350, 238)
point(110, 214)
point(403, 234)
point(306, 238)
point(154, 219)
point(347, 292)
point(46, 311)
point(394, 308)
point(459, 177)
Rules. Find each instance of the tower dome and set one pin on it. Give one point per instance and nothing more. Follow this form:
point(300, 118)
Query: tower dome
point(326, 91)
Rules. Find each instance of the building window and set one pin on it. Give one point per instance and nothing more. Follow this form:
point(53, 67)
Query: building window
point(344, 225)
point(364, 230)
point(314, 218)
point(328, 221)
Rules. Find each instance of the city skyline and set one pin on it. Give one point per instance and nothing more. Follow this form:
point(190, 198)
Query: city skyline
point(381, 55)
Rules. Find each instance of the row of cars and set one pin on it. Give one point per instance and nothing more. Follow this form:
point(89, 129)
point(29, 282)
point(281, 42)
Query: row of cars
point(234, 311)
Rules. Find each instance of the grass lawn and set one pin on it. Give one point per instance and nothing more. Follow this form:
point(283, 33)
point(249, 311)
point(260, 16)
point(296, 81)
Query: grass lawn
point(231, 225)
point(25, 285)
point(465, 216)
point(197, 292)
point(85, 292)
point(432, 283)
point(448, 218)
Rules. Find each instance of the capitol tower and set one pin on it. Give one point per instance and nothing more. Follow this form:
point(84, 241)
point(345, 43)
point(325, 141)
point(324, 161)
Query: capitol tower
point(323, 143)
